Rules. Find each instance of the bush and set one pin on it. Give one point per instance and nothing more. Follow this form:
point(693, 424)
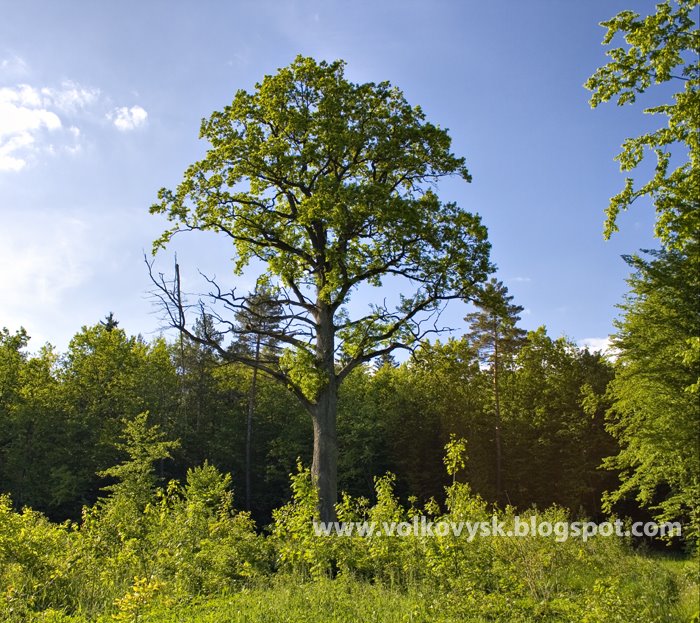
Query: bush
point(143, 553)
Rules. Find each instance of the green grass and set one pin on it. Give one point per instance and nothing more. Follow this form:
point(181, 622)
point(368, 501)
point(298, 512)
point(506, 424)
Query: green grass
point(686, 574)
point(292, 599)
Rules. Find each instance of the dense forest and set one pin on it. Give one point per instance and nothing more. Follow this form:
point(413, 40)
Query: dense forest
point(184, 477)
point(63, 416)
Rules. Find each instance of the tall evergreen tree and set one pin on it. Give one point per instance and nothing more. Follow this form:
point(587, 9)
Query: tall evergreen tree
point(495, 335)
point(259, 321)
point(110, 322)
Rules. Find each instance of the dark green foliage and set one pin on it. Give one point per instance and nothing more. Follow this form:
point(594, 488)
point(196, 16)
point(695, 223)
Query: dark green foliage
point(554, 426)
point(63, 414)
point(143, 553)
point(439, 393)
point(36, 431)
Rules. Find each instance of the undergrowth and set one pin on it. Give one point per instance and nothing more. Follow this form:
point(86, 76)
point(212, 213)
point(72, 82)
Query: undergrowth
point(182, 553)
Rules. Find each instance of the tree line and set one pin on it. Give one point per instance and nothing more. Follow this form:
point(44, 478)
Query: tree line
point(62, 414)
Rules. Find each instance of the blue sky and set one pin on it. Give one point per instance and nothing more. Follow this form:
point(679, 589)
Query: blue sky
point(100, 105)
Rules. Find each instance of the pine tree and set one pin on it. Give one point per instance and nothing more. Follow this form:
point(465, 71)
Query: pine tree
point(386, 359)
point(258, 320)
point(110, 322)
point(496, 337)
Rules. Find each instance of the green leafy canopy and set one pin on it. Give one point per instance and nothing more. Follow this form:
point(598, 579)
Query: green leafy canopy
point(660, 48)
point(310, 153)
point(330, 184)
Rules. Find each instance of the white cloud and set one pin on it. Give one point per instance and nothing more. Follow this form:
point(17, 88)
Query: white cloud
point(521, 279)
point(8, 162)
point(19, 101)
point(602, 344)
point(16, 120)
point(21, 95)
point(21, 123)
point(126, 119)
point(28, 115)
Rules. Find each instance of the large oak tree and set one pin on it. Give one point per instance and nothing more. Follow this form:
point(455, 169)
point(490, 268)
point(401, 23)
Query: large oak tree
point(329, 186)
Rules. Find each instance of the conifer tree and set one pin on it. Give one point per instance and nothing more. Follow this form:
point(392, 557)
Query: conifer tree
point(495, 335)
point(259, 319)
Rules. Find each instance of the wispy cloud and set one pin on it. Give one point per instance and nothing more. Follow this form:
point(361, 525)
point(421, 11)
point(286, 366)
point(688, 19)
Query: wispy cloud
point(13, 67)
point(71, 97)
point(43, 269)
point(40, 264)
point(47, 119)
point(126, 119)
point(520, 279)
point(75, 267)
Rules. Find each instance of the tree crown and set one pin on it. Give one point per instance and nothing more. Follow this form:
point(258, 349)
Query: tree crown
point(330, 185)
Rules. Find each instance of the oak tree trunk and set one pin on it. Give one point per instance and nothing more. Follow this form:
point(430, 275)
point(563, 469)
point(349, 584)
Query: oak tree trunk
point(324, 467)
